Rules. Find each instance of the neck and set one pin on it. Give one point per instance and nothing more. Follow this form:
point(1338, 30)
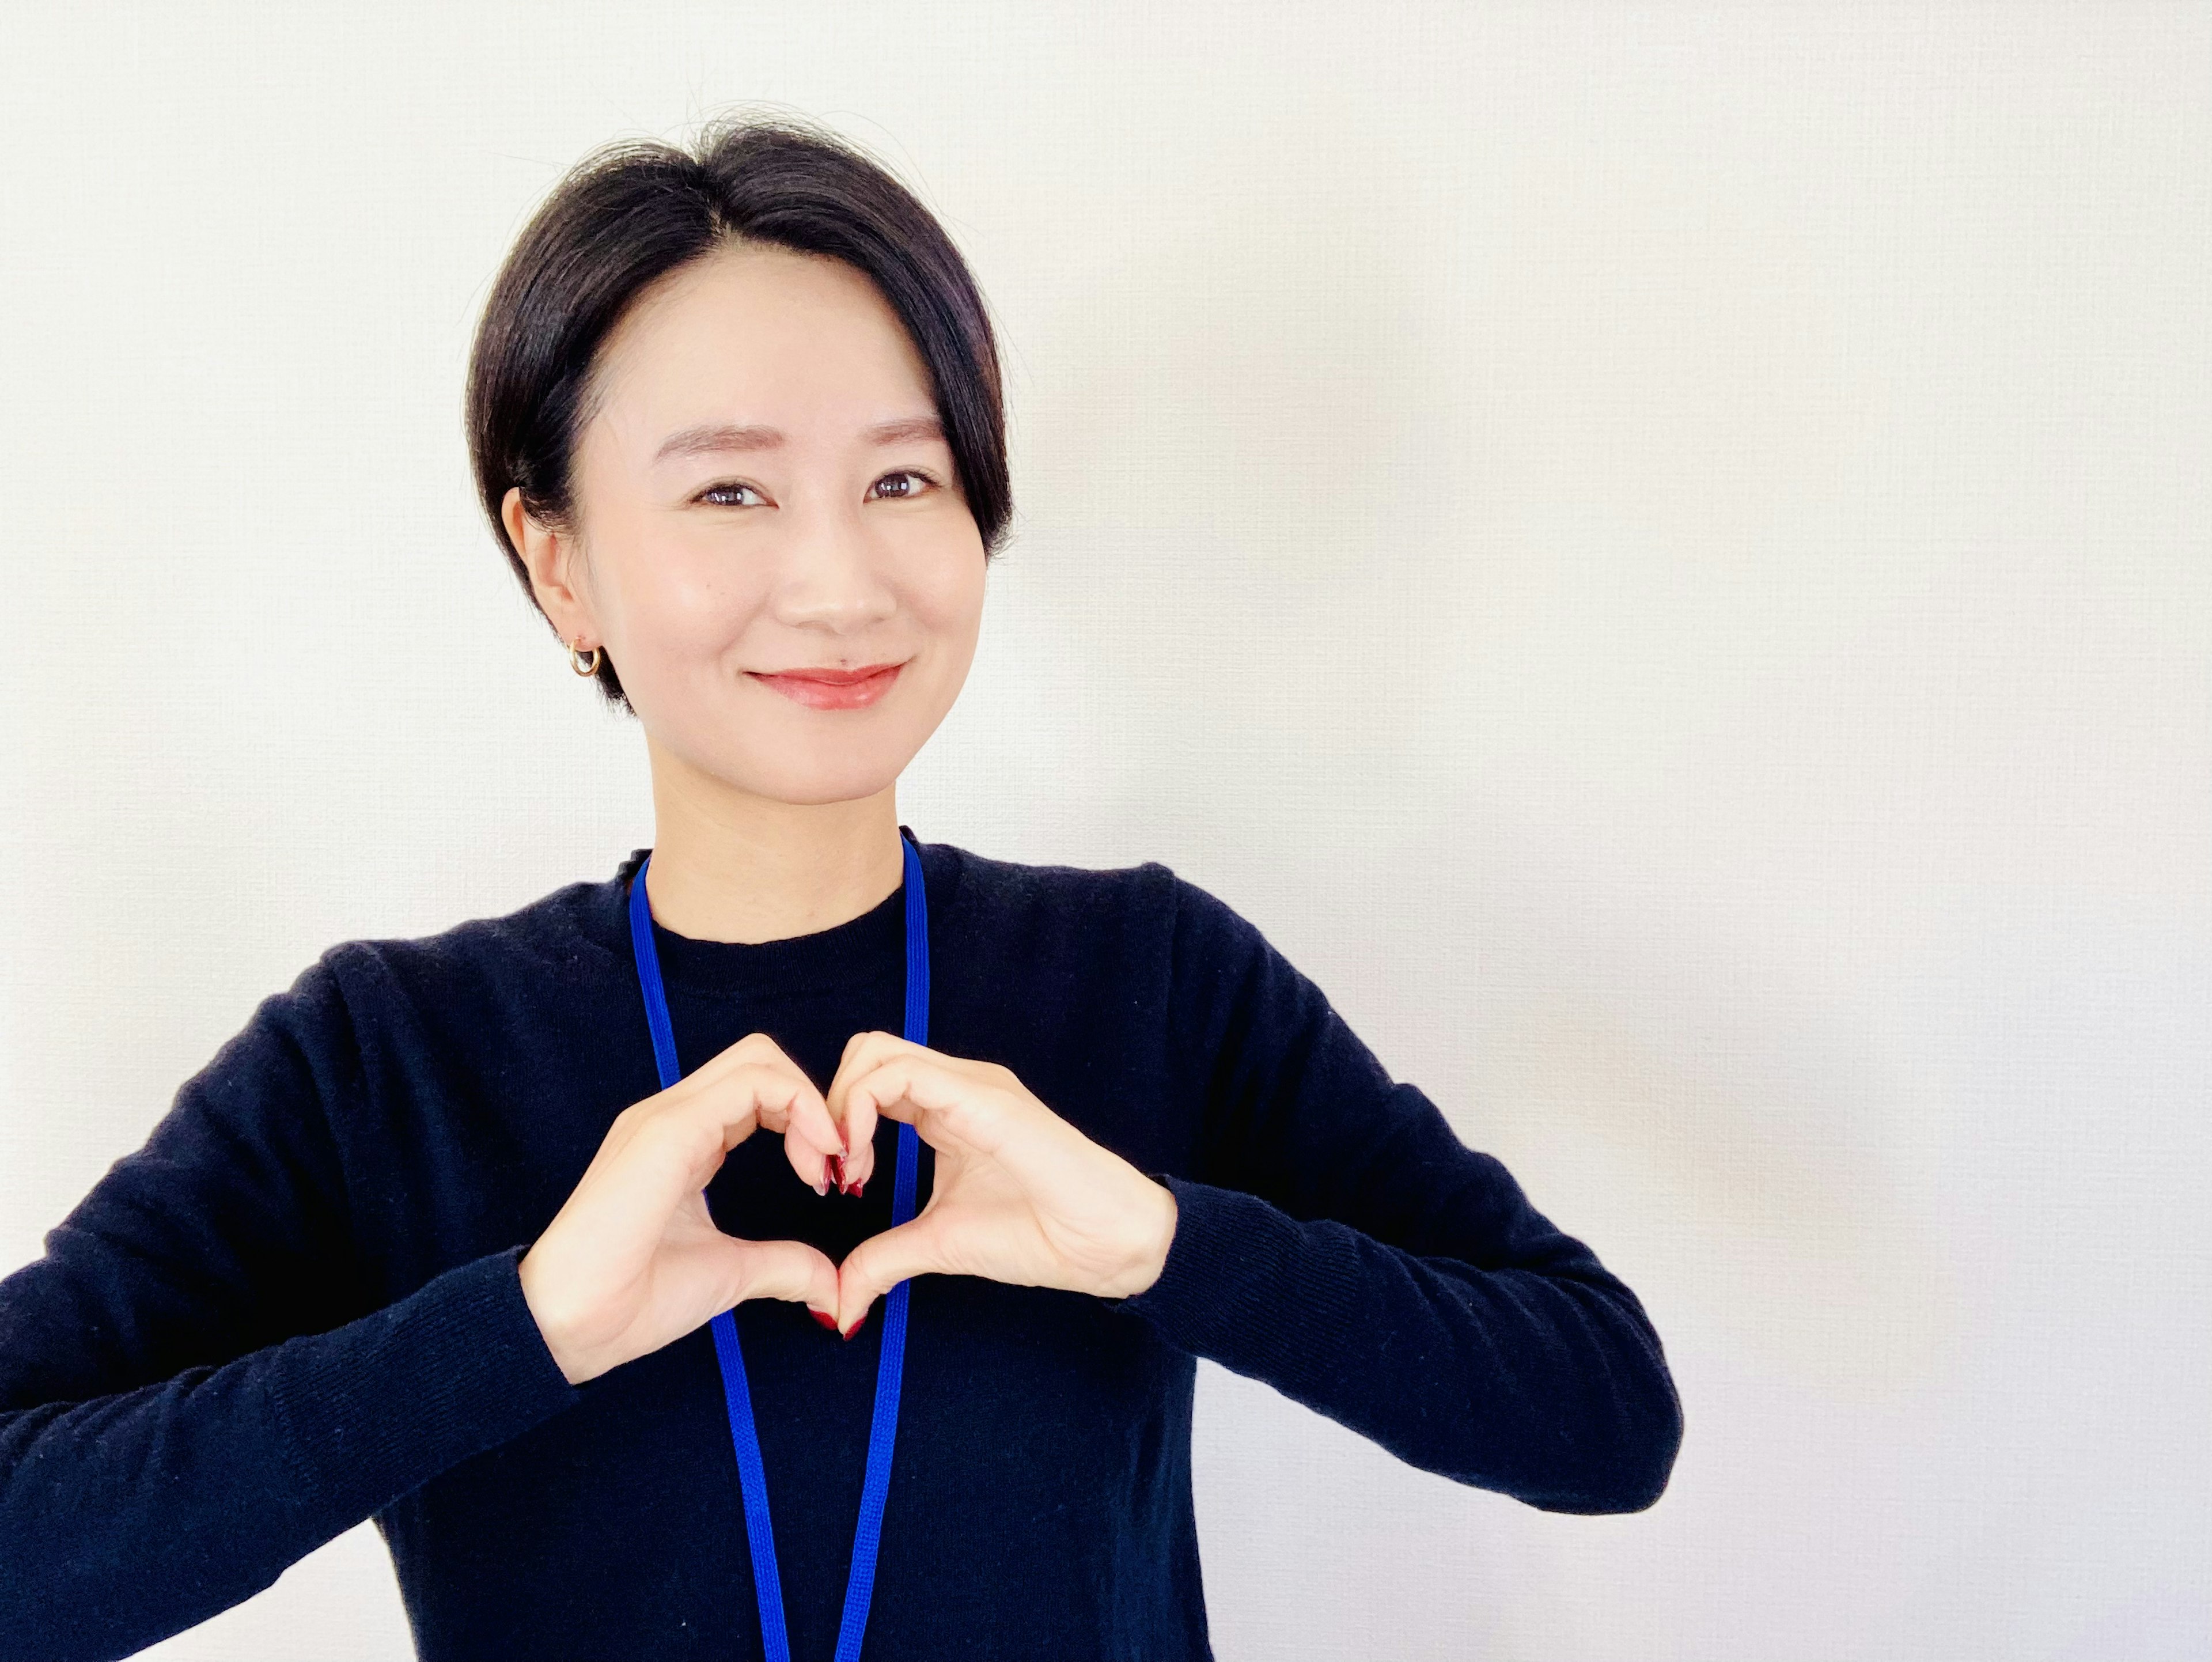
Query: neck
point(730, 865)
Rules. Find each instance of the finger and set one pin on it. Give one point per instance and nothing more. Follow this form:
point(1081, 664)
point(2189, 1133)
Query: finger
point(863, 1050)
point(812, 1124)
point(939, 1101)
point(802, 1116)
point(687, 1130)
point(859, 1123)
point(796, 1110)
point(812, 1141)
point(881, 1263)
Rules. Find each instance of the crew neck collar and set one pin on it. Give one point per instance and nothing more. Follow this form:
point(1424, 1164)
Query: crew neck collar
point(862, 949)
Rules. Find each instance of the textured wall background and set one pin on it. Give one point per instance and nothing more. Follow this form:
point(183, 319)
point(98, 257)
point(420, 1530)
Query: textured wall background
point(1660, 552)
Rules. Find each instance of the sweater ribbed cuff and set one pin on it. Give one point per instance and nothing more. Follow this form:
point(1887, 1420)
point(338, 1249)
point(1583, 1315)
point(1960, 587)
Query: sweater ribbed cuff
point(377, 1408)
point(1244, 1282)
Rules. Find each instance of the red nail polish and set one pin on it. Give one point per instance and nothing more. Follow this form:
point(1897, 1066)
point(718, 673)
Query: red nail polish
point(835, 1167)
point(857, 1187)
point(858, 1326)
point(823, 1317)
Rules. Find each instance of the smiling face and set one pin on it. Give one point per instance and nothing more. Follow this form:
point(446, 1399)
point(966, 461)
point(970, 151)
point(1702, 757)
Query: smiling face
point(762, 491)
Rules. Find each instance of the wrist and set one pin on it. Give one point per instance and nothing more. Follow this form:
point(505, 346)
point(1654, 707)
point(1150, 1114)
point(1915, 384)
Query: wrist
point(1152, 1256)
point(573, 1367)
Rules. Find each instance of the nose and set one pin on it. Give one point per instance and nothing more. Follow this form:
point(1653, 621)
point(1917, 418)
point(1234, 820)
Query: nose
point(833, 577)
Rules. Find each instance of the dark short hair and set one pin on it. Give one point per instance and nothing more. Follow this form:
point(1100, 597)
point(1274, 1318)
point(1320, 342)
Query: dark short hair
point(635, 210)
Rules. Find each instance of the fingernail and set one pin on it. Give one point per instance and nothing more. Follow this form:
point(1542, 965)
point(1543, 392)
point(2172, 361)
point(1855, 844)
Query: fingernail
point(856, 1326)
point(835, 1167)
point(823, 1317)
point(845, 1136)
point(821, 1188)
point(857, 1187)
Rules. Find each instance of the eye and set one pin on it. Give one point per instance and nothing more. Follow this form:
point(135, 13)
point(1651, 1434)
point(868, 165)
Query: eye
point(908, 494)
point(717, 496)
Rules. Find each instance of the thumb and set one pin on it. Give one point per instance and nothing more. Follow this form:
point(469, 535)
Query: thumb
point(881, 1263)
point(791, 1271)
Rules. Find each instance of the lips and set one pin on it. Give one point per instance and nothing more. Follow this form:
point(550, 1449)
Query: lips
point(836, 678)
point(827, 688)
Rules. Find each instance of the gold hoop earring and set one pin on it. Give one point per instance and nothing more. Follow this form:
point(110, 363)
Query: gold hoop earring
point(580, 666)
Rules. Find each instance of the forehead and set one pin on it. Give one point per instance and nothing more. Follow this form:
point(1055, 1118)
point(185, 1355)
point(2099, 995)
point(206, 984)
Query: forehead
point(758, 333)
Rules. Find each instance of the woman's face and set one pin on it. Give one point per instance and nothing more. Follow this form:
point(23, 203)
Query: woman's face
point(762, 492)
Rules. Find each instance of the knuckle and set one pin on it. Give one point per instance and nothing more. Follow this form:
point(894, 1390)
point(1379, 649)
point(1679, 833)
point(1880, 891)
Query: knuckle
point(764, 1081)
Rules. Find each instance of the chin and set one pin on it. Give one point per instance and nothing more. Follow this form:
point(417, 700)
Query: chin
point(813, 785)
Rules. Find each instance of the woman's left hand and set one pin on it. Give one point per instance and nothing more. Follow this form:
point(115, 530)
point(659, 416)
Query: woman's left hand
point(1019, 1194)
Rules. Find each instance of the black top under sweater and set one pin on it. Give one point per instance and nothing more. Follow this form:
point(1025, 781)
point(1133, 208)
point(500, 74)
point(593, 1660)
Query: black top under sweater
point(297, 1306)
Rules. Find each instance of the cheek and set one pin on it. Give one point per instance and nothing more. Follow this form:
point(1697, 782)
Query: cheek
point(687, 605)
point(947, 594)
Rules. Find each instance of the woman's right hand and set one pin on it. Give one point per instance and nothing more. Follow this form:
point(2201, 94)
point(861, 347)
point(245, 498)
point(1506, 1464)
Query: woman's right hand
point(633, 1260)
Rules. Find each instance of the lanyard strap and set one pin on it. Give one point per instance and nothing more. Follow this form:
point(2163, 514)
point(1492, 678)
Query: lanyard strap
point(752, 1476)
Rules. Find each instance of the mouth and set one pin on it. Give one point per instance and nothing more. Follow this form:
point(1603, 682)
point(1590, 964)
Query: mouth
point(831, 689)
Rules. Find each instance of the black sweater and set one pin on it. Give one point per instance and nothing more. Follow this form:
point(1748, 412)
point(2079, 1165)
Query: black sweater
point(297, 1306)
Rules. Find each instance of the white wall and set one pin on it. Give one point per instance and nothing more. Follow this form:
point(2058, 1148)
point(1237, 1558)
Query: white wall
point(1660, 552)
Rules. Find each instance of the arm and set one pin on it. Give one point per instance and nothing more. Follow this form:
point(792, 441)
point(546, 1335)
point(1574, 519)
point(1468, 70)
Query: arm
point(196, 1390)
point(1339, 1243)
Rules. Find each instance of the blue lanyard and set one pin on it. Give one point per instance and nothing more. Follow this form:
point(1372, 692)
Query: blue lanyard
point(752, 1479)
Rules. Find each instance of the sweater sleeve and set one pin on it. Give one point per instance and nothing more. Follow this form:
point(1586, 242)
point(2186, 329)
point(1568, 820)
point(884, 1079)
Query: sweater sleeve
point(1337, 1241)
point(196, 1388)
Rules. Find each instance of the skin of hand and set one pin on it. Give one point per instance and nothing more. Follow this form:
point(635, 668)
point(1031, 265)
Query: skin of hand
point(1018, 1195)
point(633, 1259)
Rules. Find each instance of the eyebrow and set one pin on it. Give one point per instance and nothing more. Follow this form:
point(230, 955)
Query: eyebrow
point(715, 437)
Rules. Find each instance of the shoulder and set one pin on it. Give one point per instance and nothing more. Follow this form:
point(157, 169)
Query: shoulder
point(1009, 889)
point(1147, 908)
point(483, 964)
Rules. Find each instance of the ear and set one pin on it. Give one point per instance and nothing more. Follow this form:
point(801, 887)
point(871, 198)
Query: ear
point(550, 556)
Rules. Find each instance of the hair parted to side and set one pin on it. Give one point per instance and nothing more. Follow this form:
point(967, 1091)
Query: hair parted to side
point(635, 210)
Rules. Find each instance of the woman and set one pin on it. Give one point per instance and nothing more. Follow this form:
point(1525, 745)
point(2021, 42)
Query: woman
point(471, 1233)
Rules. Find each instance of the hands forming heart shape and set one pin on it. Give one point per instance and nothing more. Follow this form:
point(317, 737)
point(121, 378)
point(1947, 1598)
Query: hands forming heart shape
point(633, 1261)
